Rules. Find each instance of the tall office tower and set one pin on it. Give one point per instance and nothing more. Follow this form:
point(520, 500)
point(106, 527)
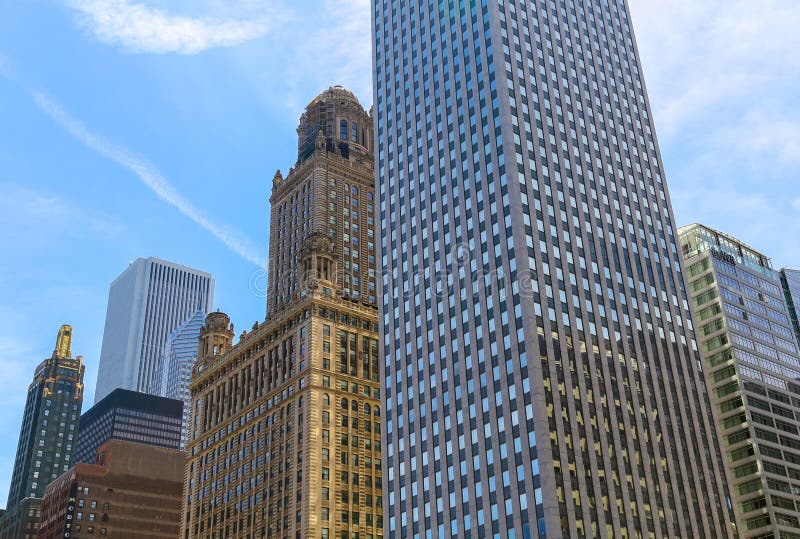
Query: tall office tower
point(145, 304)
point(180, 354)
point(541, 376)
point(285, 437)
point(49, 425)
point(129, 416)
point(753, 366)
point(790, 279)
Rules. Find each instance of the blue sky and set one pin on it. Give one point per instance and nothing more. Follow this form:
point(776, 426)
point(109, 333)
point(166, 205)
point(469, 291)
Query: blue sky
point(136, 128)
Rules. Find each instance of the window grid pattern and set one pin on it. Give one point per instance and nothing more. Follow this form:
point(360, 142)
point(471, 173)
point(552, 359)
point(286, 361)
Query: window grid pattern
point(535, 323)
point(753, 369)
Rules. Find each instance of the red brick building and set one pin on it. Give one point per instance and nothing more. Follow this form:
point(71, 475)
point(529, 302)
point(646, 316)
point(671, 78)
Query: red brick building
point(133, 490)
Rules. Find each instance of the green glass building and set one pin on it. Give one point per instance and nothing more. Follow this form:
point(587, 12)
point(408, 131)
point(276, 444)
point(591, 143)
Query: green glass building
point(753, 366)
point(50, 422)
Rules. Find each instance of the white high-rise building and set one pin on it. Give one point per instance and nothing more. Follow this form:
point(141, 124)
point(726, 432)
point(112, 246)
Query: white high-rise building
point(149, 300)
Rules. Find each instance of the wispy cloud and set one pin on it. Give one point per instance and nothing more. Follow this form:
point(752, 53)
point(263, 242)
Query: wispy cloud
point(722, 76)
point(32, 205)
point(137, 27)
point(149, 175)
point(330, 44)
point(32, 218)
point(700, 56)
point(336, 51)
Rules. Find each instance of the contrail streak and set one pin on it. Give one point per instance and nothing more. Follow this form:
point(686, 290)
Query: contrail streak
point(149, 175)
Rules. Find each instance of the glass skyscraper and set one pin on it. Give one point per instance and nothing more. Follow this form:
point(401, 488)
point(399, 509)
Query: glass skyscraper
point(753, 370)
point(180, 354)
point(541, 375)
point(790, 280)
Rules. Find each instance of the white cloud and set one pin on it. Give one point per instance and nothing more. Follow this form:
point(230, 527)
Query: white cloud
point(151, 177)
point(329, 45)
point(701, 56)
point(722, 78)
point(139, 28)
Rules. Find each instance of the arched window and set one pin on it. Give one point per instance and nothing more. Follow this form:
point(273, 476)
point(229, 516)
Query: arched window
point(326, 399)
point(343, 130)
point(354, 405)
point(377, 411)
point(344, 404)
point(367, 409)
point(354, 132)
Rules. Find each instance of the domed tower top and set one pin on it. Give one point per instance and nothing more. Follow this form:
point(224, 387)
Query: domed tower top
point(216, 336)
point(343, 123)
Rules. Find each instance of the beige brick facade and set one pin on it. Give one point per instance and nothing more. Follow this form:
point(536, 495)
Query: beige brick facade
point(285, 425)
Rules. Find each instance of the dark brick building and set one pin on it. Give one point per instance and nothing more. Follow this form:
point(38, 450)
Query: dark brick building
point(134, 490)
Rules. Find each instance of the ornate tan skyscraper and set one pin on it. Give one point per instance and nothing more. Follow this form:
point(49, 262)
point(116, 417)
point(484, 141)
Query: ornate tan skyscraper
point(285, 435)
point(326, 202)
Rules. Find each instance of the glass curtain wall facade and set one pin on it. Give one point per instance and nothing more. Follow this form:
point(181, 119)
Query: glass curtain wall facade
point(754, 375)
point(180, 354)
point(790, 279)
point(541, 374)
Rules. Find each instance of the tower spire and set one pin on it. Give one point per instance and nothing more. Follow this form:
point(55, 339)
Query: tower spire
point(64, 342)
